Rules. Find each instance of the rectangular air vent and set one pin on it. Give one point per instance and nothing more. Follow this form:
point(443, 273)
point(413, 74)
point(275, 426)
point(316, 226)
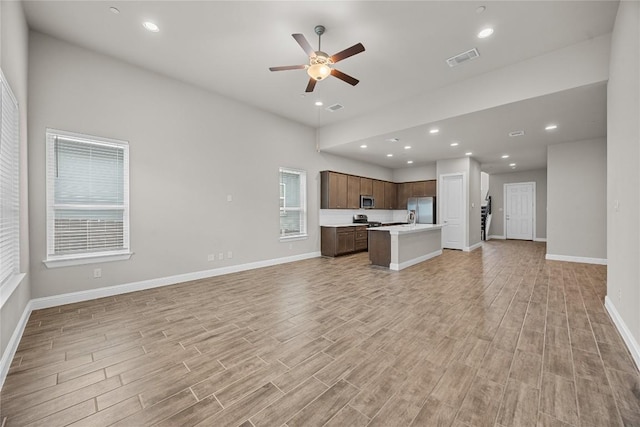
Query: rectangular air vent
point(516, 133)
point(463, 57)
point(335, 107)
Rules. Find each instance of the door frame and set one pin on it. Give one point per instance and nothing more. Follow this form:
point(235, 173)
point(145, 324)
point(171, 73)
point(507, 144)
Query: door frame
point(465, 204)
point(533, 208)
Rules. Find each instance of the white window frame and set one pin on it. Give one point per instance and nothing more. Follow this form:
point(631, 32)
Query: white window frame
point(65, 260)
point(10, 194)
point(303, 204)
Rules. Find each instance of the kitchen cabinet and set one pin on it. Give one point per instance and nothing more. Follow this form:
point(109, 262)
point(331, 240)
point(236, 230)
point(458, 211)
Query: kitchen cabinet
point(333, 190)
point(335, 241)
point(390, 195)
point(404, 192)
point(431, 188)
point(353, 192)
point(366, 186)
point(378, 193)
point(419, 189)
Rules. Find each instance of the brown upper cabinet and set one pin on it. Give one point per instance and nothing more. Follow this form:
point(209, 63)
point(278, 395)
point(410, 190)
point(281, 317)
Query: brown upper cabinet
point(404, 192)
point(390, 195)
point(353, 192)
point(366, 186)
point(343, 191)
point(378, 194)
point(333, 189)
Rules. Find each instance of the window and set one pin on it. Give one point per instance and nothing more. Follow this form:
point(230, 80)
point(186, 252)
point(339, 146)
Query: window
point(9, 187)
point(293, 203)
point(87, 199)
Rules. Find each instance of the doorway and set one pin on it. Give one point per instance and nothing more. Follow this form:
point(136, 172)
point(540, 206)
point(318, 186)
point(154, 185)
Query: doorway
point(452, 210)
point(520, 210)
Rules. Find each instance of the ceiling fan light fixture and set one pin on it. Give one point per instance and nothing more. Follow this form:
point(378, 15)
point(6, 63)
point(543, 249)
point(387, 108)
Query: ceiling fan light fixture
point(319, 71)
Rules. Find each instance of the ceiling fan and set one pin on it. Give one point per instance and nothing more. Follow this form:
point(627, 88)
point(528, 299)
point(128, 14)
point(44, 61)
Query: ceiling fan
point(320, 63)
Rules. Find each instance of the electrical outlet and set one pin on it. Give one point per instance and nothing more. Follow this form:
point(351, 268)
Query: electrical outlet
point(221, 255)
point(97, 273)
point(229, 254)
point(211, 257)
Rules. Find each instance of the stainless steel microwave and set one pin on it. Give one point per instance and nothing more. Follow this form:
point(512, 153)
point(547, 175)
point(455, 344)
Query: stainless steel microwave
point(367, 202)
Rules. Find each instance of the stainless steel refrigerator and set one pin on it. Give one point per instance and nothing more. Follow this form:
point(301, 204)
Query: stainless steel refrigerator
point(425, 208)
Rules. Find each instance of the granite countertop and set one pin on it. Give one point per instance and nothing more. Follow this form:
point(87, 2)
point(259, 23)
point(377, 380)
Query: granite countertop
point(408, 228)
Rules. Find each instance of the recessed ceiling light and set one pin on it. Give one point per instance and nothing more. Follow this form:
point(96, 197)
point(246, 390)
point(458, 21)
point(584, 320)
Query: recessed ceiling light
point(114, 10)
point(505, 156)
point(319, 103)
point(485, 32)
point(551, 127)
point(389, 155)
point(432, 131)
point(150, 26)
point(407, 147)
point(468, 153)
point(409, 161)
point(512, 164)
point(481, 9)
point(363, 146)
point(455, 144)
point(516, 133)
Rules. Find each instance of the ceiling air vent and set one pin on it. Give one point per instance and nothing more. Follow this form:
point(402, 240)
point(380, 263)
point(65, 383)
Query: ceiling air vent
point(335, 107)
point(516, 133)
point(463, 57)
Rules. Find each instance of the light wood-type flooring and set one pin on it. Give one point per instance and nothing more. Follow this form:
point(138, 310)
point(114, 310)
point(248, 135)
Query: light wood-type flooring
point(498, 336)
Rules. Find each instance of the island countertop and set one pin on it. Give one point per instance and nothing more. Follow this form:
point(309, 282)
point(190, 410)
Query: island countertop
point(400, 246)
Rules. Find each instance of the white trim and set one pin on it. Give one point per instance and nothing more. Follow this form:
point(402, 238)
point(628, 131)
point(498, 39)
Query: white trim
point(11, 285)
point(540, 239)
point(56, 263)
point(397, 267)
point(465, 204)
point(495, 236)
point(627, 336)
point(533, 207)
point(12, 345)
point(472, 247)
point(583, 260)
point(73, 297)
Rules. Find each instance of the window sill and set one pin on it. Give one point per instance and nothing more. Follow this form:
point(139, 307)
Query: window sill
point(9, 286)
point(68, 262)
point(296, 237)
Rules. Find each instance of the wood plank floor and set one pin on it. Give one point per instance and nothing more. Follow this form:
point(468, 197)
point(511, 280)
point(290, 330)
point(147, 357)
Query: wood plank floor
point(498, 336)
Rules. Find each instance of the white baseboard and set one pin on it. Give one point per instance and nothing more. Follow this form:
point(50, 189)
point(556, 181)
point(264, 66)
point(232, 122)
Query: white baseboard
point(472, 247)
point(628, 338)
point(495, 236)
point(540, 239)
point(108, 291)
point(12, 345)
point(583, 260)
point(403, 265)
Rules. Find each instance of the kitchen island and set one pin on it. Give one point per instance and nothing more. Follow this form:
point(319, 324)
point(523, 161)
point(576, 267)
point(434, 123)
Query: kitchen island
point(401, 246)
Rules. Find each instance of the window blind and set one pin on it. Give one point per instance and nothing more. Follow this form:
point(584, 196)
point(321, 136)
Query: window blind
point(87, 196)
point(293, 203)
point(9, 184)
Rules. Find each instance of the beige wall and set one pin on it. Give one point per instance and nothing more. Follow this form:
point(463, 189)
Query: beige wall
point(576, 199)
point(13, 61)
point(189, 149)
point(496, 191)
point(623, 171)
point(418, 173)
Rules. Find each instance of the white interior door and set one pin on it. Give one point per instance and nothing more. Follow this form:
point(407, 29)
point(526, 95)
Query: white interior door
point(519, 210)
point(453, 212)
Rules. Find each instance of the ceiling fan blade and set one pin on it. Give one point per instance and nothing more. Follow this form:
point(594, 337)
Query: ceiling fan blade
point(311, 85)
point(288, 67)
point(344, 77)
point(304, 44)
point(353, 50)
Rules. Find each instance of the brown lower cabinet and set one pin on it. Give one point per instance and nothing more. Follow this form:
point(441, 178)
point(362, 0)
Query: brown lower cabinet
point(335, 241)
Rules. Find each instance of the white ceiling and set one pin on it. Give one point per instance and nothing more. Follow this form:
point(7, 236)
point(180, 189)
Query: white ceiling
point(228, 46)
